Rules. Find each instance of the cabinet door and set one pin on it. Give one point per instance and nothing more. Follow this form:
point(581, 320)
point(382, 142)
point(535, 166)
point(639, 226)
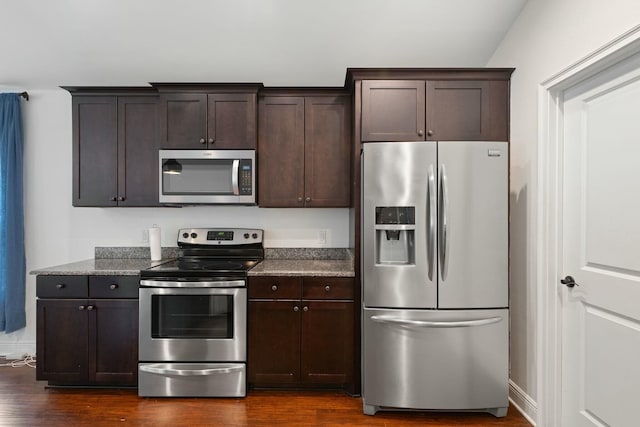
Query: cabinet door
point(327, 153)
point(183, 120)
point(61, 344)
point(113, 337)
point(327, 342)
point(273, 342)
point(138, 151)
point(231, 120)
point(281, 152)
point(393, 110)
point(467, 110)
point(94, 151)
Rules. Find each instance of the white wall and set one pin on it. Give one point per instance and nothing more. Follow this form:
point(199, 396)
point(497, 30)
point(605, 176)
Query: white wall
point(548, 36)
point(57, 233)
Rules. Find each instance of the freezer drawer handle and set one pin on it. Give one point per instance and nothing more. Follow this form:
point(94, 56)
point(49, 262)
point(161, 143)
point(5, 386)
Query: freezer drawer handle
point(190, 372)
point(436, 324)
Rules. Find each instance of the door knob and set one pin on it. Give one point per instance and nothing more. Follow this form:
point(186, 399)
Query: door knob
point(569, 282)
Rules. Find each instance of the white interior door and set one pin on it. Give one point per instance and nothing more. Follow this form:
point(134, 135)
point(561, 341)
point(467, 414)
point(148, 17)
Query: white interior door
point(601, 251)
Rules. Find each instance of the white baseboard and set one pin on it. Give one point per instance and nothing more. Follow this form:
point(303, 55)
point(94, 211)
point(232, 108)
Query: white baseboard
point(523, 403)
point(17, 350)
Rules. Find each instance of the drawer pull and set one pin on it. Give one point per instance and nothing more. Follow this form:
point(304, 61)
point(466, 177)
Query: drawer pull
point(305, 308)
point(274, 288)
point(61, 286)
point(113, 286)
point(327, 288)
point(296, 308)
point(81, 307)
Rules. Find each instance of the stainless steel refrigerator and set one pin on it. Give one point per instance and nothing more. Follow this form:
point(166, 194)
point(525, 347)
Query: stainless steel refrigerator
point(434, 259)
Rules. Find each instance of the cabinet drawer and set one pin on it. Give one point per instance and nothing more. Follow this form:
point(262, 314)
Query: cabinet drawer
point(327, 288)
point(61, 286)
point(113, 286)
point(274, 287)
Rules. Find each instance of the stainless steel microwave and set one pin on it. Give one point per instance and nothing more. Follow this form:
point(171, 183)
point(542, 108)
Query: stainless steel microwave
point(207, 176)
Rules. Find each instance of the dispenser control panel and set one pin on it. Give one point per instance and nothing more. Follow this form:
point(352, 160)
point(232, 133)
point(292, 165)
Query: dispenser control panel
point(395, 215)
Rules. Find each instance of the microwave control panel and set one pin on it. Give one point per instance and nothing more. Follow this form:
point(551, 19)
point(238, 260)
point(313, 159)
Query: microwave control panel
point(246, 176)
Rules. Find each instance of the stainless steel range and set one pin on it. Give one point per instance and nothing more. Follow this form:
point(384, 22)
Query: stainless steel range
point(193, 316)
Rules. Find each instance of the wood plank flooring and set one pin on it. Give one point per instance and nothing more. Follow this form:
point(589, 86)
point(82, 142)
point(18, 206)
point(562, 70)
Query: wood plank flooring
point(26, 402)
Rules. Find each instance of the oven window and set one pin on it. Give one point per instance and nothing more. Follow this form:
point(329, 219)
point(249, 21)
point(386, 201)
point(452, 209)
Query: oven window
point(192, 316)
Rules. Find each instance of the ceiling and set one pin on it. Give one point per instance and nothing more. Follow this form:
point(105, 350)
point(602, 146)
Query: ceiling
point(46, 44)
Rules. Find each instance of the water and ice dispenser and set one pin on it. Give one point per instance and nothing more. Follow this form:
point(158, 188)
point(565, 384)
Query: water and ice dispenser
point(395, 235)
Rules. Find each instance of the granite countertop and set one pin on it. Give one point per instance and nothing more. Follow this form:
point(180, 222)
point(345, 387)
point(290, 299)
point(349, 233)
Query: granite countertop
point(100, 267)
point(304, 267)
point(278, 262)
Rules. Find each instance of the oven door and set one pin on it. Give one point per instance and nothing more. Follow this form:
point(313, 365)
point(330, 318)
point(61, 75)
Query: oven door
point(192, 324)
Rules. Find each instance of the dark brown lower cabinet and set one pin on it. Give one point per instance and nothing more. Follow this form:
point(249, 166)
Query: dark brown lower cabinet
point(87, 341)
point(300, 332)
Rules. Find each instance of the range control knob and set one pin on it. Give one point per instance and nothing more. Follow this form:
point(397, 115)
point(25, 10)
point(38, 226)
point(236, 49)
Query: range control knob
point(194, 235)
point(254, 235)
point(246, 235)
point(185, 235)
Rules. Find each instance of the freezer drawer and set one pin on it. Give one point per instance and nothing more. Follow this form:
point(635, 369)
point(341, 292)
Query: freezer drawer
point(438, 360)
point(192, 379)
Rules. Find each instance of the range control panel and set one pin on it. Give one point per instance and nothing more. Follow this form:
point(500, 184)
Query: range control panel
point(219, 236)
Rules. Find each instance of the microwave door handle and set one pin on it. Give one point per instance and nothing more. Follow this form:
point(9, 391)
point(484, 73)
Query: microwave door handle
point(234, 176)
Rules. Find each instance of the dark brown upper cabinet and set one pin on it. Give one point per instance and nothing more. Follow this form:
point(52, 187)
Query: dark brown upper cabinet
point(435, 110)
point(304, 149)
point(115, 146)
point(208, 116)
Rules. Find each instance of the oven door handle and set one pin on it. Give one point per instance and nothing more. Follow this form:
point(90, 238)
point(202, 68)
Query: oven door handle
point(153, 369)
point(192, 284)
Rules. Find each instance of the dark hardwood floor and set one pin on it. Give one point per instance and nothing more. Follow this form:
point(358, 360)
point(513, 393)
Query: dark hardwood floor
point(26, 402)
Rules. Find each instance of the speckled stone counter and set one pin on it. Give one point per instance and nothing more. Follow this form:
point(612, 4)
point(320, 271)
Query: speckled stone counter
point(110, 261)
point(100, 267)
point(330, 262)
point(303, 267)
point(128, 261)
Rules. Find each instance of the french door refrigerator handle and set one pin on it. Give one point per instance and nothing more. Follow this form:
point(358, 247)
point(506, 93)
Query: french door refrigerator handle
point(436, 324)
point(443, 243)
point(431, 199)
point(234, 176)
point(189, 372)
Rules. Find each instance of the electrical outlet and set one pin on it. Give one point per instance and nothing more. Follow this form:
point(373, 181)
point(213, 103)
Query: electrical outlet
point(322, 236)
point(145, 236)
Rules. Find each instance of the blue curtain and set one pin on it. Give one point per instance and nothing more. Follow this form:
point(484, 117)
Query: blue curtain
point(12, 260)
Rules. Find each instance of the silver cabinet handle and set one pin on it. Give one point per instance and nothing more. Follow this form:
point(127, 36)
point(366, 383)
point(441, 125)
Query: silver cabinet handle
point(234, 176)
point(202, 141)
point(327, 288)
point(431, 209)
point(443, 241)
point(296, 308)
point(189, 372)
point(305, 308)
point(210, 141)
point(274, 288)
point(437, 323)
